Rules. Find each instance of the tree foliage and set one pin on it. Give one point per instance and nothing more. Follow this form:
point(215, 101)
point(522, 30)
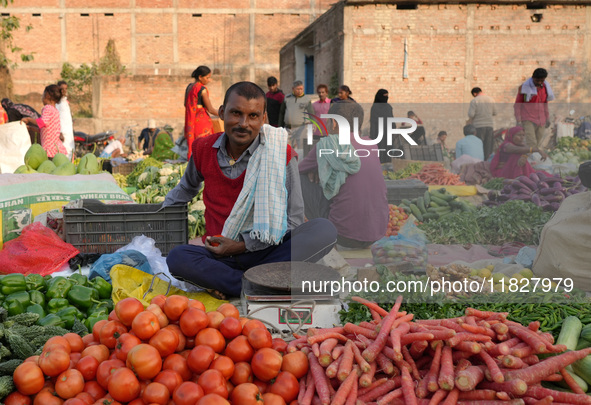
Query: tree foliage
point(8, 25)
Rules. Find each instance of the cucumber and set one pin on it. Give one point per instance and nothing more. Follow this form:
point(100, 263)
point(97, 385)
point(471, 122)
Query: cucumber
point(583, 369)
point(421, 205)
point(427, 198)
point(586, 332)
point(434, 204)
point(569, 333)
point(583, 344)
point(416, 212)
point(441, 202)
point(446, 197)
point(431, 215)
point(406, 202)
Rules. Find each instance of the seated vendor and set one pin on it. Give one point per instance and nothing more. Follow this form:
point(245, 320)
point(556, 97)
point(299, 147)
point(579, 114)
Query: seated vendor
point(510, 160)
point(252, 197)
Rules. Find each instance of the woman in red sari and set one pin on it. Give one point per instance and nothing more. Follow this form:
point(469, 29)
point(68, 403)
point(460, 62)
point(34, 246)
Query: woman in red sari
point(510, 161)
point(197, 106)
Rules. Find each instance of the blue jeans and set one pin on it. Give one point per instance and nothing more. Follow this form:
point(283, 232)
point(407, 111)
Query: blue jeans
point(309, 242)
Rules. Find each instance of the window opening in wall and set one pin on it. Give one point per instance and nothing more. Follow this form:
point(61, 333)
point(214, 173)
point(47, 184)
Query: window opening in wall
point(156, 36)
point(407, 6)
point(36, 14)
point(197, 15)
point(535, 6)
point(108, 14)
point(5, 14)
point(269, 15)
point(84, 15)
point(157, 63)
point(537, 18)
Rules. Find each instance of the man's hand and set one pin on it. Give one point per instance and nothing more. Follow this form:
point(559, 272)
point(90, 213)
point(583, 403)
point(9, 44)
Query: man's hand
point(544, 154)
point(62, 137)
point(522, 160)
point(547, 123)
point(313, 177)
point(223, 247)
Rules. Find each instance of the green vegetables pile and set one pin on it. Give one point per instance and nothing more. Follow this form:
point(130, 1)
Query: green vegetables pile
point(513, 221)
point(494, 184)
point(404, 173)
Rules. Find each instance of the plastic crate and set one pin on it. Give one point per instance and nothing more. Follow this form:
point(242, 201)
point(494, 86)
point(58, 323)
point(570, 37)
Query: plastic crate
point(398, 190)
point(432, 153)
point(124, 168)
point(104, 228)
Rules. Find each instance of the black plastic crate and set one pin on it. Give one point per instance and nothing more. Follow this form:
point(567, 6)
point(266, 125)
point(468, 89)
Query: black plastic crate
point(124, 168)
point(432, 153)
point(398, 190)
point(104, 228)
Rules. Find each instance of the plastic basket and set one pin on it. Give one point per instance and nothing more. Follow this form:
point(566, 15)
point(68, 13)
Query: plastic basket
point(124, 168)
point(432, 153)
point(398, 190)
point(104, 228)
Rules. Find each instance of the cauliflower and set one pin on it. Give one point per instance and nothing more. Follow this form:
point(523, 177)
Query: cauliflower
point(192, 219)
point(132, 196)
point(198, 206)
point(165, 171)
point(158, 199)
point(142, 177)
point(163, 180)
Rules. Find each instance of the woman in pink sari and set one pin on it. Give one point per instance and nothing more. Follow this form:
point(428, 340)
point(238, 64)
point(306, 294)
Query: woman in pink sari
point(510, 161)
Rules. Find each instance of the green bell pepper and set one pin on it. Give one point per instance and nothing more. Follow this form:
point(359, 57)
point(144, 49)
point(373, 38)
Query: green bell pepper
point(35, 282)
point(102, 286)
point(13, 307)
point(37, 297)
point(21, 296)
point(101, 306)
point(91, 320)
point(51, 320)
point(79, 279)
point(58, 288)
point(68, 315)
point(55, 304)
point(82, 297)
point(37, 309)
point(12, 283)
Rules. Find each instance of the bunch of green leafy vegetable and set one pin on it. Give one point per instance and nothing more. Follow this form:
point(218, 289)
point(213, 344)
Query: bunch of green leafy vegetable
point(140, 168)
point(494, 184)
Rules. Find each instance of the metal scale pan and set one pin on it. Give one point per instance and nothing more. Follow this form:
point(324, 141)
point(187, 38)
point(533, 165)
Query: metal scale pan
point(282, 281)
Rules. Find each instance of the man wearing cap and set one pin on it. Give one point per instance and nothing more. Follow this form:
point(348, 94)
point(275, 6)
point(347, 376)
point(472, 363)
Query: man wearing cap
point(148, 135)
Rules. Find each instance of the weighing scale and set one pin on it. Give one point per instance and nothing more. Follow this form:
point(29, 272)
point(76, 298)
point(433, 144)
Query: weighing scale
point(271, 289)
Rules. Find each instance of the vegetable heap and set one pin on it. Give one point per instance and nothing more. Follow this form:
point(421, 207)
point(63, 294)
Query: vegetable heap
point(571, 150)
point(472, 359)
point(36, 161)
point(544, 191)
point(396, 219)
point(404, 173)
point(434, 204)
point(436, 174)
point(171, 351)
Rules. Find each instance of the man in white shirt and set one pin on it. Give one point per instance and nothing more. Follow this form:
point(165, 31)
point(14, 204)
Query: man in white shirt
point(114, 149)
point(66, 125)
point(481, 112)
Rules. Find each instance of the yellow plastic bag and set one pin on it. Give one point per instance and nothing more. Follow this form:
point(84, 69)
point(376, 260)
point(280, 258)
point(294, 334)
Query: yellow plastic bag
point(130, 282)
point(460, 191)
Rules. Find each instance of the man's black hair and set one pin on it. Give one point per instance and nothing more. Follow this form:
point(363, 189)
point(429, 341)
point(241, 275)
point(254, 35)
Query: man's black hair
point(476, 90)
point(469, 130)
point(248, 90)
point(348, 109)
point(62, 82)
point(200, 71)
point(271, 81)
point(540, 73)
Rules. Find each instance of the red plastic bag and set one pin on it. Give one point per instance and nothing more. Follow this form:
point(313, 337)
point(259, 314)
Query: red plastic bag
point(37, 250)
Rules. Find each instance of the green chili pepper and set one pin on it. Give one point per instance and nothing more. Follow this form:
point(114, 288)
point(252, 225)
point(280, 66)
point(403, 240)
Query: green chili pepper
point(21, 296)
point(58, 288)
point(91, 320)
point(37, 297)
point(36, 309)
point(13, 307)
point(102, 286)
point(13, 283)
point(35, 282)
point(82, 297)
point(68, 315)
point(78, 279)
point(51, 320)
point(55, 304)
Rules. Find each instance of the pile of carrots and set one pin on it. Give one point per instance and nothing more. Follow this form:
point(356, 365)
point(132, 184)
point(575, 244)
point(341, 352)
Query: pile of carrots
point(436, 174)
point(478, 359)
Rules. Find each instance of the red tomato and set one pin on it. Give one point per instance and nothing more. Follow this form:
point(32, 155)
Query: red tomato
point(273, 399)
point(156, 393)
point(213, 382)
point(99, 352)
point(159, 300)
point(259, 338)
point(86, 397)
point(58, 340)
point(182, 338)
point(87, 366)
point(239, 349)
point(76, 401)
point(196, 304)
point(28, 378)
point(178, 363)
point(211, 337)
point(124, 385)
point(170, 378)
point(242, 373)
point(223, 364)
point(125, 343)
point(215, 319)
point(156, 310)
point(280, 345)
point(110, 332)
point(192, 321)
point(145, 361)
point(127, 309)
point(263, 386)
point(165, 341)
point(75, 341)
point(106, 369)
point(174, 306)
point(16, 398)
point(188, 393)
point(230, 327)
point(286, 385)
point(228, 309)
point(54, 360)
point(94, 389)
point(252, 324)
point(69, 384)
point(266, 364)
point(246, 394)
point(296, 363)
point(88, 340)
point(145, 325)
point(200, 358)
point(46, 397)
point(113, 316)
point(212, 399)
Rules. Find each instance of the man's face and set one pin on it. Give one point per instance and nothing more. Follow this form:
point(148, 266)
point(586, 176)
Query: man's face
point(273, 88)
point(152, 130)
point(322, 93)
point(64, 90)
point(298, 91)
point(343, 95)
point(539, 81)
point(243, 119)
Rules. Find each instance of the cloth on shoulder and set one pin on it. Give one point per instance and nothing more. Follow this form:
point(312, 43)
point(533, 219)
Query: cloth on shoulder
point(261, 206)
point(333, 168)
point(529, 89)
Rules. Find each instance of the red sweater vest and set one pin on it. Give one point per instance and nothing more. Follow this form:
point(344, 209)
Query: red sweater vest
point(220, 193)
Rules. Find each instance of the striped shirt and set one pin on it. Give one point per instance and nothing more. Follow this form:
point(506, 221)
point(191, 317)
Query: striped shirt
point(49, 124)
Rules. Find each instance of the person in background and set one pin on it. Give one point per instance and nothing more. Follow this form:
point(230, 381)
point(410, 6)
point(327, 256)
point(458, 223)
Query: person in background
point(510, 160)
point(3, 116)
point(198, 107)
point(114, 149)
point(470, 145)
point(441, 139)
point(252, 197)
point(381, 109)
point(419, 134)
point(531, 107)
point(320, 106)
point(147, 136)
point(344, 93)
point(481, 112)
point(49, 122)
point(66, 123)
point(17, 112)
point(349, 192)
point(291, 115)
point(275, 98)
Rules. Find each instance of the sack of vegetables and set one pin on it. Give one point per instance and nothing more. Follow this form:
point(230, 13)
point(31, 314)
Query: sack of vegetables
point(409, 246)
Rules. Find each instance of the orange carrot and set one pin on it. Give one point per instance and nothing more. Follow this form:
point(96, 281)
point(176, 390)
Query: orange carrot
point(479, 330)
point(408, 390)
point(452, 397)
point(528, 336)
point(323, 336)
point(539, 392)
point(438, 397)
point(360, 330)
point(321, 331)
point(367, 377)
point(478, 395)
point(486, 314)
point(500, 328)
point(534, 374)
point(467, 380)
point(395, 339)
point(553, 378)
point(325, 351)
point(316, 349)
point(446, 372)
point(310, 390)
point(371, 352)
point(364, 365)
point(503, 396)
point(385, 365)
point(516, 386)
point(512, 362)
point(345, 388)
point(380, 390)
point(460, 337)
point(337, 352)
point(292, 346)
point(417, 348)
point(413, 337)
point(389, 397)
point(346, 363)
point(470, 347)
point(333, 368)
point(432, 384)
point(367, 325)
point(376, 383)
point(302, 391)
point(319, 379)
point(463, 364)
point(495, 372)
point(352, 398)
point(413, 367)
point(371, 305)
point(402, 319)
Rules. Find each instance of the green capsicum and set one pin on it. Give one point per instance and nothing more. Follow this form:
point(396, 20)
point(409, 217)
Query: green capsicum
point(58, 288)
point(21, 296)
point(94, 318)
point(13, 307)
point(55, 304)
point(68, 315)
point(37, 297)
point(35, 282)
point(36, 309)
point(82, 297)
point(12, 283)
point(79, 279)
point(102, 286)
point(51, 320)
point(101, 306)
